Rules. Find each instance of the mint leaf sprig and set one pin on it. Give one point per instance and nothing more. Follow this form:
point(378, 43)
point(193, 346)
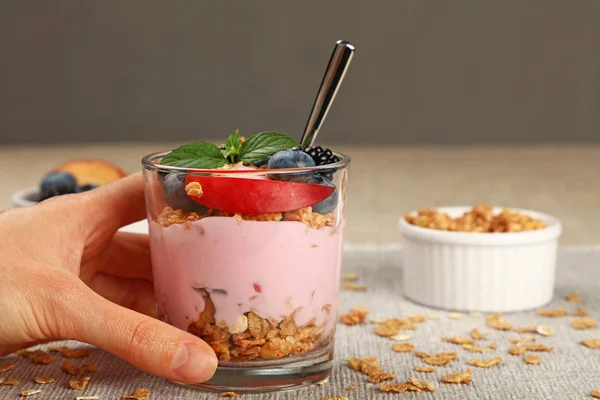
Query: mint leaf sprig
point(204, 155)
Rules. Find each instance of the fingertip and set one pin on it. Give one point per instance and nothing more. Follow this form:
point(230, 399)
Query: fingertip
point(194, 363)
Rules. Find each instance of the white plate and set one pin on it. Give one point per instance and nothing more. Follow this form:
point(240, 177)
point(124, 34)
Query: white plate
point(136, 227)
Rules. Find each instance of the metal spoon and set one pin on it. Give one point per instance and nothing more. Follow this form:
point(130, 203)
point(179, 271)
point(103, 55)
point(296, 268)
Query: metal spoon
point(334, 75)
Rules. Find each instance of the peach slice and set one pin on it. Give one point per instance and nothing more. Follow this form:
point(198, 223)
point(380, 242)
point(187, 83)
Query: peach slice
point(96, 172)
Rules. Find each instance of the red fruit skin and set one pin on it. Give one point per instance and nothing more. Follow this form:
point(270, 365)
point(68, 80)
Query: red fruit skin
point(256, 196)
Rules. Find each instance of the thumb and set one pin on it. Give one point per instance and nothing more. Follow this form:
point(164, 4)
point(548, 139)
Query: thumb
point(145, 342)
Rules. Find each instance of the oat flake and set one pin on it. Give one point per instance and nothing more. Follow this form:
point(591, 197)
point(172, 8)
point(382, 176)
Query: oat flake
point(584, 323)
point(591, 343)
point(31, 392)
point(43, 379)
point(138, 394)
point(458, 377)
point(531, 359)
point(486, 363)
point(403, 347)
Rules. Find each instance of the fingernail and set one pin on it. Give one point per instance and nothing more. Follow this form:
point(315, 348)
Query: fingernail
point(193, 363)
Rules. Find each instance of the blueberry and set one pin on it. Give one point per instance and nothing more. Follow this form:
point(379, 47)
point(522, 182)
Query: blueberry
point(57, 183)
point(161, 175)
point(328, 205)
point(85, 188)
point(175, 196)
point(291, 159)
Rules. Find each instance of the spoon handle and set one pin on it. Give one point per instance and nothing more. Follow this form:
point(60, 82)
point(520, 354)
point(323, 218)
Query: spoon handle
point(334, 75)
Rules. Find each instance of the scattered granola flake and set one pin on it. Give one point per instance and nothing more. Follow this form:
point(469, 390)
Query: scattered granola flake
point(30, 392)
point(350, 388)
point(75, 353)
point(397, 387)
point(527, 329)
point(79, 384)
point(591, 343)
point(497, 322)
point(37, 356)
point(400, 338)
point(518, 350)
point(87, 398)
point(229, 394)
point(421, 385)
point(475, 334)
point(6, 367)
point(531, 359)
point(391, 327)
point(350, 277)
point(490, 362)
point(475, 349)
point(138, 394)
point(574, 298)
point(367, 365)
point(72, 369)
point(353, 287)
point(449, 355)
point(437, 361)
point(354, 317)
point(458, 377)
point(584, 323)
point(475, 314)
point(492, 346)
point(580, 312)
point(545, 331)
point(43, 379)
point(422, 354)
point(459, 340)
point(559, 312)
point(417, 319)
point(454, 315)
point(403, 347)
point(522, 339)
point(420, 368)
point(384, 376)
point(595, 394)
point(538, 347)
point(12, 382)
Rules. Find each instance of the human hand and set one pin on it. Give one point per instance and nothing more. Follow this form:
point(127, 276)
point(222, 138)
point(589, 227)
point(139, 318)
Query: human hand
point(66, 273)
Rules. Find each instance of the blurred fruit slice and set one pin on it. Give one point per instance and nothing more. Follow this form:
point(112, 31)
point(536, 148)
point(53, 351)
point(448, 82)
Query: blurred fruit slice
point(96, 172)
point(256, 196)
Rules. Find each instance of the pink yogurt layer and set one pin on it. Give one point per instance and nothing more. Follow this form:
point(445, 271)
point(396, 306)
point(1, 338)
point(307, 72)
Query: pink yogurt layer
point(270, 268)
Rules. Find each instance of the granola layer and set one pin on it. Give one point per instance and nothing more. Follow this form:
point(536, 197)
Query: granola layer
point(257, 338)
point(169, 216)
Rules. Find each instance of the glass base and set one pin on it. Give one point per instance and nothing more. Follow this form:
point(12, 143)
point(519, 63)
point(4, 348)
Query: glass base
point(270, 376)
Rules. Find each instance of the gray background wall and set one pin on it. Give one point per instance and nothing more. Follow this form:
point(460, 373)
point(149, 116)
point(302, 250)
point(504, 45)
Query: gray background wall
point(441, 72)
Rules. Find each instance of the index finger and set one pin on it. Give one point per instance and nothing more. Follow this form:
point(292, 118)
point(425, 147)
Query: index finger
point(114, 205)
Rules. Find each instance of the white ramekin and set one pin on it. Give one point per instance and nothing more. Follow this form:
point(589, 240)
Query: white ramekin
point(29, 197)
point(488, 272)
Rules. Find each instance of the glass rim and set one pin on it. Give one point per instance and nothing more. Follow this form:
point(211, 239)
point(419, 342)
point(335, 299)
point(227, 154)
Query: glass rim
point(149, 164)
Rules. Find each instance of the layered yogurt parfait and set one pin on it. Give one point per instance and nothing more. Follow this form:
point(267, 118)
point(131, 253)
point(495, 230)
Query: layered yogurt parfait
point(246, 242)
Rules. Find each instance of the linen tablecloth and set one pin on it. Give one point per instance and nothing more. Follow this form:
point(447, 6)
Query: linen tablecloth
point(569, 372)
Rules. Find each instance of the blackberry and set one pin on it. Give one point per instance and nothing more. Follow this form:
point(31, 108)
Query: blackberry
point(321, 156)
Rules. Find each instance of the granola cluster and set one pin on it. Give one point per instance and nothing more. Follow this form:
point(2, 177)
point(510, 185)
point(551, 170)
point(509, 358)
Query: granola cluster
point(169, 216)
point(258, 338)
point(479, 219)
